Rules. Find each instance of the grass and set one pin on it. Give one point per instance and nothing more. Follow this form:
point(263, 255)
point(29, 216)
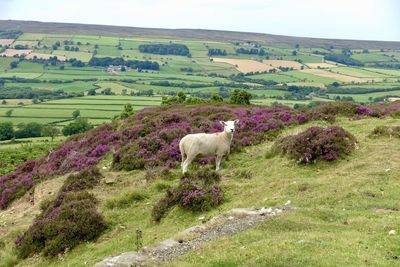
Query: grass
point(364, 98)
point(335, 209)
point(83, 56)
point(97, 109)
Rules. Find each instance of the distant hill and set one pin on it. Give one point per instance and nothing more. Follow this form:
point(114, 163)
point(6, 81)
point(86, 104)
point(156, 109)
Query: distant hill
point(72, 28)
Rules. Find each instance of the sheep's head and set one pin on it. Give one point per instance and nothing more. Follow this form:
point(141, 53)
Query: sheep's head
point(229, 126)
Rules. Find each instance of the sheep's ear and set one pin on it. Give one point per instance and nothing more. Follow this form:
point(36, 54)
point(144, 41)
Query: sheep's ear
point(222, 123)
point(236, 121)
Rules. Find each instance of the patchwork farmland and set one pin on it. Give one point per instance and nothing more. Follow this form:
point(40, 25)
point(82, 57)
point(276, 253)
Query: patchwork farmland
point(67, 65)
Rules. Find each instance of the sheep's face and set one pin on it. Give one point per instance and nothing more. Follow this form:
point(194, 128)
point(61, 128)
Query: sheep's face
point(229, 126)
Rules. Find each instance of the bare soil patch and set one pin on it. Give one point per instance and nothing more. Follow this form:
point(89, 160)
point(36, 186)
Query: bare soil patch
point(22, 212)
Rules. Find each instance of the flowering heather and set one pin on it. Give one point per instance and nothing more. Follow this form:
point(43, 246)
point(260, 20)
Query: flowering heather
point(197, 191)
point(151, 137)
point(65, 222)
point(317, 143)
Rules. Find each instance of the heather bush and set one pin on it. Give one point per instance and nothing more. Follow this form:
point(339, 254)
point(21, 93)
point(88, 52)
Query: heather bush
point(65, 222)
point(197, 191)
point(386, 131)
point(317, 143)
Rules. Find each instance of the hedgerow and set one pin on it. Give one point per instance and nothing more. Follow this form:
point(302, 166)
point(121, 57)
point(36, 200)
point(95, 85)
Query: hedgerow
point(317, 143)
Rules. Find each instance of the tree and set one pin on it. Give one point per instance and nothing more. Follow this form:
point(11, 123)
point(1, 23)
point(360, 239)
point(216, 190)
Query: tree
point(25, 130)
point(14, 64)
point(294, 53)
point(107, 91)
point(216, 97)
point(80, 125)
point(335, 84)
point(9, 113)
point(50, 131)
point(35, 101)
point(76, 114)
point(4, 102)
point(124, 91)
point(240, 97)
point(128, 111)
point(62, 67)
point(92, 92)
point(6, 130)
point(182, 96)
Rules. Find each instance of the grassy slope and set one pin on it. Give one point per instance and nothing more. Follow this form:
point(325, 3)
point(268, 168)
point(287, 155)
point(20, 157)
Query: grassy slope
point(333, 225)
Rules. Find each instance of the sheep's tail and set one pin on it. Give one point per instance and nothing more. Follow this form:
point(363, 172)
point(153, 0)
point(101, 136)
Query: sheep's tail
point(182, 151)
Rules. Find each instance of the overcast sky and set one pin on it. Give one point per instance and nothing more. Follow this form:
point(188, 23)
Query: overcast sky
point(349, 19)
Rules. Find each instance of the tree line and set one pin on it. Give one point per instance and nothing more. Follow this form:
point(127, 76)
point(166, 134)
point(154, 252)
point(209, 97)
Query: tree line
point(33, 129)
point(216, 52)
point(136, 64)
point(165, 49)
point(252, 51)
point(29, 93)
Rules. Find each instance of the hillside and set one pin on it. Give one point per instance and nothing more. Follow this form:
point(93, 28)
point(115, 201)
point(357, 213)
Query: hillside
point(343, 213)
point(197, 34)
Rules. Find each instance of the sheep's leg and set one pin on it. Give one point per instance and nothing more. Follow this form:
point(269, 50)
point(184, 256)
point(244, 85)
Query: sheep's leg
point(185, 165)
point(218, 159)
point(183, 160)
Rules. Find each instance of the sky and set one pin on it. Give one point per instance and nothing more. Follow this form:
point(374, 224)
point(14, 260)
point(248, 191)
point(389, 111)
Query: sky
point(344, 19)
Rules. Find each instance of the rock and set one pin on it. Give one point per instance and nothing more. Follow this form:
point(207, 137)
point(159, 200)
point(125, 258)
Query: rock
point(201, 218)
point(243, 211)
point(387, 170)
point(392, 232)
point(231, 218)
point(264, 211)
point(288, 203)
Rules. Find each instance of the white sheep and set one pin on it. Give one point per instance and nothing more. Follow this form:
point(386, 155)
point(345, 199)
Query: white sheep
point(214, 144)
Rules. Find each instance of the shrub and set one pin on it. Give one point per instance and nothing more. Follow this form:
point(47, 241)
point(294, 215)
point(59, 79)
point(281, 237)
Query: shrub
point(84, 180)
point(386, 131)
point(65, 222)
point(240, 97)
point(197, 191)
point(80, 125)
point(317, 143)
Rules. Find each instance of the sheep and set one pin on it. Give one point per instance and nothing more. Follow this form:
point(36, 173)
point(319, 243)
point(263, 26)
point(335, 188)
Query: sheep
point(214, 144)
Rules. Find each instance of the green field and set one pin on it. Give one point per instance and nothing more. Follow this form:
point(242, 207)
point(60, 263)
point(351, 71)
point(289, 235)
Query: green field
point(177, 69)
point(97, 109)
